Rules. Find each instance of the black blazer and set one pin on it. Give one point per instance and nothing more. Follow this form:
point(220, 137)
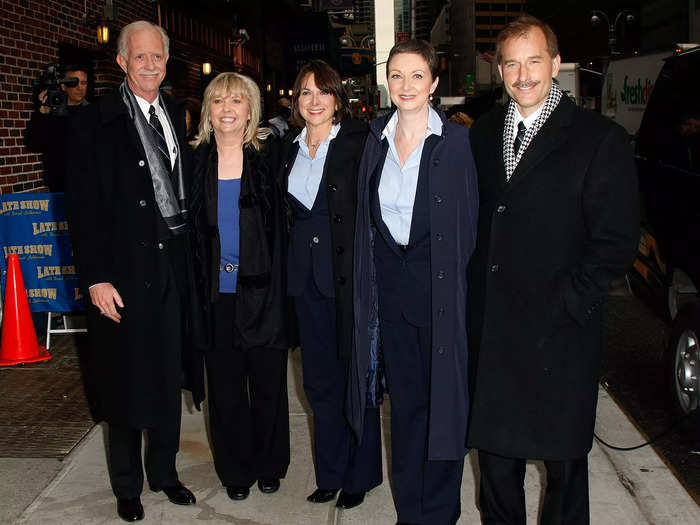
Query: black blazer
point(341, 167)
point(549, 243)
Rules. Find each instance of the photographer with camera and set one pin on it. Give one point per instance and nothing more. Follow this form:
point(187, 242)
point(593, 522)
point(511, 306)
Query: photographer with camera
point(60, 97)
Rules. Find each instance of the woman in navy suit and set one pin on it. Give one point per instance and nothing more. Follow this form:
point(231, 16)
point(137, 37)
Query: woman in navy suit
point(321, 163)
point(415, 233)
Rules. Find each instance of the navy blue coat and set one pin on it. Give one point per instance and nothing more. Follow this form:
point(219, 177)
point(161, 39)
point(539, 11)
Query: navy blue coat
point(453, 214)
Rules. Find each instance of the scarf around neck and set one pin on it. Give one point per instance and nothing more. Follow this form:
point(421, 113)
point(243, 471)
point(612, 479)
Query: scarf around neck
point(172, 206)
point(510, 160)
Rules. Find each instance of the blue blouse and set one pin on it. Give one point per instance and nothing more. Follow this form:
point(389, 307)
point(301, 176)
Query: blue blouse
point(229, 233)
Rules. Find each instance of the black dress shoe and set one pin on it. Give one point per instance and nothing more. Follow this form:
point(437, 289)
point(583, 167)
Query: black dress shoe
point(348, 500)
point(130, 509)
point(237, 493)
point(178, 494)
point(322, 495)
point(269, 485)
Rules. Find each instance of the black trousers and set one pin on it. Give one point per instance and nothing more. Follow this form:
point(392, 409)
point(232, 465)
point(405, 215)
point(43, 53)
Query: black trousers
point(339, 462)
point(502, 496)
point(163, 439)
point(248, 407)
point(124, 453)
point(425, 492)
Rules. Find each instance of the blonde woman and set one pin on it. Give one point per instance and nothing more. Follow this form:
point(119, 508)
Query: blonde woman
point(238, 234)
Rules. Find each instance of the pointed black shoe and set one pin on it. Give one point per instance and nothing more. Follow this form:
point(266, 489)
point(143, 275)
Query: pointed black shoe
point(269, 485)
point(322, 495)
point(349, 500)
point(178, 494)
point(130, 509)
point(237, 493)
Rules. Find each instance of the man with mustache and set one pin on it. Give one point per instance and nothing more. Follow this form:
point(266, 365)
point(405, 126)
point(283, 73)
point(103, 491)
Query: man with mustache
point(126, 196)
point(558, 221)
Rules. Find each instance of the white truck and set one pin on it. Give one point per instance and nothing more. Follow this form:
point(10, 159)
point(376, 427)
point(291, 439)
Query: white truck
point(627, 86)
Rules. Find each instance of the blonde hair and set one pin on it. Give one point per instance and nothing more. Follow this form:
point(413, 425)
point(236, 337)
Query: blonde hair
point(123, 40)
point(226, 84)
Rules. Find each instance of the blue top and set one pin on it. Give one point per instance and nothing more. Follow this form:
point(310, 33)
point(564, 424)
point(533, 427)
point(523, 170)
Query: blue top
point(229, 232)
point(306, 174)
point(397, 186)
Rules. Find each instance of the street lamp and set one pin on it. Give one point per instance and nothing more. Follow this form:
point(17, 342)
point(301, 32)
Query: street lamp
point(624, 14)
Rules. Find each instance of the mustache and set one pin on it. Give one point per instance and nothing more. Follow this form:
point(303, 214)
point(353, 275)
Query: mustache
point(525, 84)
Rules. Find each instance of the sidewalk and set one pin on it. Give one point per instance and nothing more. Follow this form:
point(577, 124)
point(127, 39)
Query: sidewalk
point(626, 488)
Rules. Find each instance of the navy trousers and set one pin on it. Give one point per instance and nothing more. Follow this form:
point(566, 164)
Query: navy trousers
point(340, 463)
point(425, 492)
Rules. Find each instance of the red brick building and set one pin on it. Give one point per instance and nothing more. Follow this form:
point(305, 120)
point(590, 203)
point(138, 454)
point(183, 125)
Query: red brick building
point(36, 33)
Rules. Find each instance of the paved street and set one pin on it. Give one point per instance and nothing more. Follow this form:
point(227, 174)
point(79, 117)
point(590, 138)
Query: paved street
point(636, 374)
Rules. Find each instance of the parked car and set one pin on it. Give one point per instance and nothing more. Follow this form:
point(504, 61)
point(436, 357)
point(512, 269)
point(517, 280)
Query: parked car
point(666, 273)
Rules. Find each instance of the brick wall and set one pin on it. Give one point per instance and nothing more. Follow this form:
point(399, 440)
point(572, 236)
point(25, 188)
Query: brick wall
point(30, 34)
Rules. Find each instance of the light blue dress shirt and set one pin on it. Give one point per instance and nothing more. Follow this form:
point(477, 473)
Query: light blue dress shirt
point(397, 185)
point(306, 174)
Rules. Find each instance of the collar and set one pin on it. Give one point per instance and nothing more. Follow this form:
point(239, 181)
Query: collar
point(528, 121)
point(145, 105)
point(334, 132)
point(434, 124)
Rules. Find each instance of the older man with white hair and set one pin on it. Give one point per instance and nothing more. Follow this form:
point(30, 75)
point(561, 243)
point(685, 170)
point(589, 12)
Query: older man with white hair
point(127, 207)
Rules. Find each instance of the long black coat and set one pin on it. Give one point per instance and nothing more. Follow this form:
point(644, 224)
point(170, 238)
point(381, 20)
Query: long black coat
point(453, 214)
point(341, 167)
point(549, 243)
point(114, 218)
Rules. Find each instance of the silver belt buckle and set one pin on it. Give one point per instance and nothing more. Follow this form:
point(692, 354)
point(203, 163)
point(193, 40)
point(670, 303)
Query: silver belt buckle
point(229, 267)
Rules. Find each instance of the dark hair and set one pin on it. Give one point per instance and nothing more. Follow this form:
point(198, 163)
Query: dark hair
point(326, 79)
point(418, 47)
point(75, 67)
point(194, 107)
point(522, 26)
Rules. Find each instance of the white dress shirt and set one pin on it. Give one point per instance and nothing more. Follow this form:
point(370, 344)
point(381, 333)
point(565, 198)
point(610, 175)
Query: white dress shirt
point(397, 185)
point(529, 121)
point(145, 105)
point(306, 174)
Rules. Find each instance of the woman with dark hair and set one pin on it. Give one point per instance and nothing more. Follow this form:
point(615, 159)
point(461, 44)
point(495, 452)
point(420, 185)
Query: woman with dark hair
point(415, 232)
point(320, 168)
point(239, 250)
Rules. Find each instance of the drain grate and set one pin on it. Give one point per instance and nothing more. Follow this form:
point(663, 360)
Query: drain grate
point(43, 408)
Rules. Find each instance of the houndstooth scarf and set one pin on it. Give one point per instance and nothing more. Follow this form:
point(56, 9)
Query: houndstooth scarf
point(171, 201)
point(509, 159)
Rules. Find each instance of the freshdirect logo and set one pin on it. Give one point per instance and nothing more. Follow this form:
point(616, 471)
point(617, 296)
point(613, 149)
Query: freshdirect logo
point(636, 93)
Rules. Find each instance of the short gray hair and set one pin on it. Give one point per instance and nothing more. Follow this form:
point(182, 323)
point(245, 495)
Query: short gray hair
point(123, 40)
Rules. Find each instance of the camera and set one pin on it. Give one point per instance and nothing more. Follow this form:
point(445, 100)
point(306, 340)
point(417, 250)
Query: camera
point(51, 81)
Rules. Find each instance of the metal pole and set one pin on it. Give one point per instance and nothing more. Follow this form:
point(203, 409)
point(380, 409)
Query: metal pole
point(413, 18)
point(692, 37)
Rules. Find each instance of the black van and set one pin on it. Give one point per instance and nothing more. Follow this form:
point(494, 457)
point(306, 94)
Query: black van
point(666, 274)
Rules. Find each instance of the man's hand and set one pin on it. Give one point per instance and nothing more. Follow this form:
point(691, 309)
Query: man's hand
point(106, 298)
point(44, 109)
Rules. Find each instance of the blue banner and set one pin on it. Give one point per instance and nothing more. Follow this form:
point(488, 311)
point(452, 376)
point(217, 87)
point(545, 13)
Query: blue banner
point(34, 226)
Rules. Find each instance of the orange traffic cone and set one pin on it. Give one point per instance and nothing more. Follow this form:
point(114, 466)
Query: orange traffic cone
point(19, 344)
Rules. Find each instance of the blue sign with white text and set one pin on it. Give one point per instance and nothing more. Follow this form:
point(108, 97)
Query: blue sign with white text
point(34, 226)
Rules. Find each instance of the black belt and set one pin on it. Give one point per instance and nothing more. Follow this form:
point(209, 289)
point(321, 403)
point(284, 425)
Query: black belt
point(228, 267)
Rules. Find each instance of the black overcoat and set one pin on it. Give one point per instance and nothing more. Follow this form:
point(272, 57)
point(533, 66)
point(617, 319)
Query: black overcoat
point(113, 219)
point(453, 212)
point(341, 167)
point(261, 301)
point(549, 244)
